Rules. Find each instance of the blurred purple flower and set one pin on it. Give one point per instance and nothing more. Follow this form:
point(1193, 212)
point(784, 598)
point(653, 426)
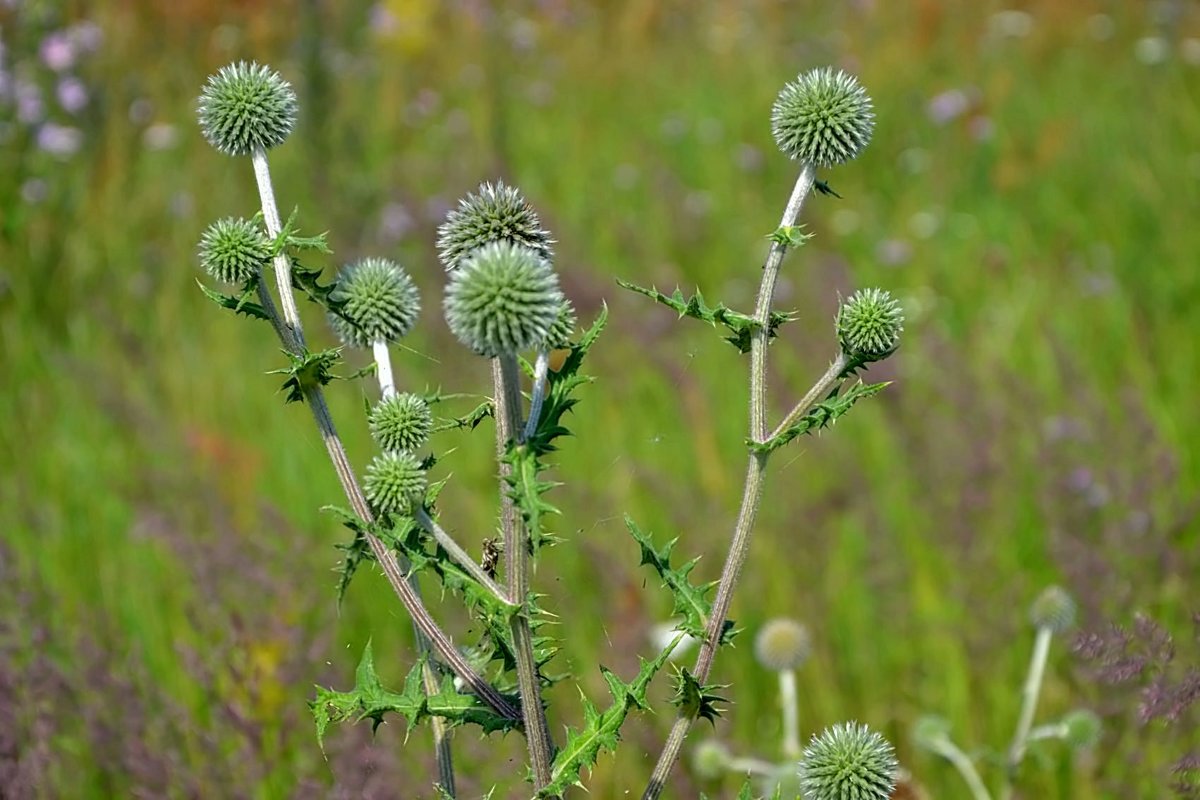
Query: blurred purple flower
point(72, 94)
point(30, 108)
point(59, 140)
point(749, 158)
point(57, 51)
point(947, 106)
point(382, 21)
point(394, 222)
point(87, 36)
point(981, 127)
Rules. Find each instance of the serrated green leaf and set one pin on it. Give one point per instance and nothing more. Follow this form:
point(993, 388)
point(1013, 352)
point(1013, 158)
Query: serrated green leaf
point(789, 236)
point(822, 415)
point(560, 389)
point(357, 550)
point(740, 326)
point(526, 491)
point(308, 370)
point(239, 303)
point(370, 700)
point(695, 700)
point(691, 601)
point(601, 730)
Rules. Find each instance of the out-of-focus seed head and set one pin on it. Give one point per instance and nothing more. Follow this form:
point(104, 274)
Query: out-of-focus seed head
point(782, 644)
point(1053, 609)
point(1082, 729)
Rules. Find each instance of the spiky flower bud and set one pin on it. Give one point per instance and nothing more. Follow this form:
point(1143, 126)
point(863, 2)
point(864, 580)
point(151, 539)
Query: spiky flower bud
point(563, 328)
point(710, 758)
point(782, 644)
point(931, 732)
point(246, 106)
point(497, 213)
point(394, 482)
point(401, 422)
point(869, 325)
point(1053, 609)
point(848, 762)
point(377, 301)
point(1082, 729)
point(503, 299)
point(822, 118)
point(234, 250)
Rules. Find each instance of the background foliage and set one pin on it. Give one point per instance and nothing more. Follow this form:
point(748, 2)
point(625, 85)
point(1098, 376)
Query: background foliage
point(167, 596)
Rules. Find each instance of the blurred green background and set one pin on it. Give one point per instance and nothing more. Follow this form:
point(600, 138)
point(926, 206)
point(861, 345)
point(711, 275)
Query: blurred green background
point(167, 578)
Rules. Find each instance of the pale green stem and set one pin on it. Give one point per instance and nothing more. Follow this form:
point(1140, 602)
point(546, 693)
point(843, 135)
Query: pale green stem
point(1029, 700)
point(818, 390)
point(383, 369)
point(739, 547)
point(966, 768)
point(458, 555)
point(789, 702)
point(505, 375)
point(751, 766)
point(541, 369)
point(283, 267)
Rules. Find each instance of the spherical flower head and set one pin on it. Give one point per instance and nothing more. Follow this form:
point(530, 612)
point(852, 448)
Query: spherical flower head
point(822, 118)
point(1054, 610)
point(497, 213)
point(869, 325)
point(848, 762)
point(1082, 729)
point(782, 644)
point(246, 107)
point(503, 299)
point(710, 759)
point(402, 422)
point(234, 250)
point(560, 333)
point(377, 301)
point(395, 482)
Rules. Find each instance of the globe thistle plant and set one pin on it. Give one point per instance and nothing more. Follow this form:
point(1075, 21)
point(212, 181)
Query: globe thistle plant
point(376, 301)
point(246, 107)
point(234, 250)
point(563, 328)
point(782, 644)
point(869, 325)
point(395, 482)
point(401, 422)
point(848, 762)
point(503, 299)
point(495, 213)
point(822, 118)
point(1054, 610)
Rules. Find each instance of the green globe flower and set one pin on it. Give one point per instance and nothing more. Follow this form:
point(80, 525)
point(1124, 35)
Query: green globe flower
point(869, 325)
point(376, 301)
point(234, 250)
point(1053, 609)
point(563, 328)
point(503, 299)
point(1082, 729)
point(710, 758)
point(246, 107)
point(848, 762)
point(822, 118)
point(782, 644)
point(395, 482)
point(497, 213)
point(402, 422)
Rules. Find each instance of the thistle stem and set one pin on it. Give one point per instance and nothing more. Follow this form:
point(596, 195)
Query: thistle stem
point(739, 547)
point(818, 390)
point(966, 768)
point(458, 555)
point(788, 703)
point(428, 634)
point(383, 369)
point(751, 766)
point(1029, 700)
point(516, 568)
point(541, 369)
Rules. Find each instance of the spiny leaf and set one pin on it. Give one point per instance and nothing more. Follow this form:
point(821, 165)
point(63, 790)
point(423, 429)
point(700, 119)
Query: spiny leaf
point(695, 700)
point(469, 421)
point(238, 303)
point(560, 388)
point(370, 700)
point(601, 730)
point(789, 236)
point(741, 326)
point(308, 370)
point(357, 550)
point(822, 415)
point(691, 601)
point(526, 491)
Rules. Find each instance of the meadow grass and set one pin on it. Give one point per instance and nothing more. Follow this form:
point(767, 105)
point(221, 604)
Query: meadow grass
point(160, 510)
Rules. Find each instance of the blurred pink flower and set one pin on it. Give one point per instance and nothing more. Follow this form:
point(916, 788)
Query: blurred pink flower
point(57, 51)
point(72, 94)
point(59, 140)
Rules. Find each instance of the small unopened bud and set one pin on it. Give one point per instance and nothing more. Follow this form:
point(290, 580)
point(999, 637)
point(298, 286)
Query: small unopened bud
point(1082, 729)
point(394, 482)
point(869, 325)
point(402, 422)
point(234, 250)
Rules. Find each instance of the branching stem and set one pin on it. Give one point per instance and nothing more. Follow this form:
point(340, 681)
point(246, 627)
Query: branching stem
point(459, 555)
point(1029, 700)
point(739, 547)
point(966, 768)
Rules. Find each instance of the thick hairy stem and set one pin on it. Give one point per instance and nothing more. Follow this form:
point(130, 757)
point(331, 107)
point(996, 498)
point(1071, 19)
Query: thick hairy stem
point(739, 547)
point(429, 634)
point(516, 567)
